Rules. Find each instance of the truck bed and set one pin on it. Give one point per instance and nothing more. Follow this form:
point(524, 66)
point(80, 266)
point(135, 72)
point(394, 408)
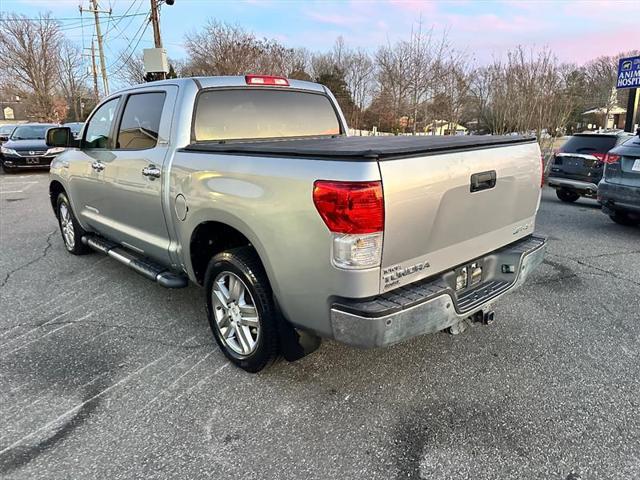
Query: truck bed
point(360, 148)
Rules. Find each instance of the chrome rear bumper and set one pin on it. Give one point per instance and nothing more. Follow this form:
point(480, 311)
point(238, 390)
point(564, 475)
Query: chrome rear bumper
point(431, 305)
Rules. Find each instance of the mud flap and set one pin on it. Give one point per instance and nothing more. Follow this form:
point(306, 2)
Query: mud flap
point(294, 344)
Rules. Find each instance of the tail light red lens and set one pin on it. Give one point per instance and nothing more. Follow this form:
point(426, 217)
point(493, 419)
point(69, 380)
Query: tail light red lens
point(600, 156)
point(350, 207)
point(266, 80)
point(610, 158)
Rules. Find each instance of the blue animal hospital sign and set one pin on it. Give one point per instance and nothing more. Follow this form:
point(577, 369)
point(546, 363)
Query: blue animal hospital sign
point(629, 73)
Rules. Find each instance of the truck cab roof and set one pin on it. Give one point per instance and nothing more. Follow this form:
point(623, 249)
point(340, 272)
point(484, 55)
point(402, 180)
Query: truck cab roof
point(236, 81)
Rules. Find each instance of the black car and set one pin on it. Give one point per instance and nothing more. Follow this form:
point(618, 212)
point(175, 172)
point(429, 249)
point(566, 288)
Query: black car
point(26, 148)
point(619, 190)
point(577, 167)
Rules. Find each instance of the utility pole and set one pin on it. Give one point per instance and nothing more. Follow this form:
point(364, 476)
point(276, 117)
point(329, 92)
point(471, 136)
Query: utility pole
point(155, 21)
point(94, 70)
point(103, 67)
point(96, 92)
point(157, 39)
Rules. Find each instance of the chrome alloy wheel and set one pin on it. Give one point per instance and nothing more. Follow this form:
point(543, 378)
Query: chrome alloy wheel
point(236, 314)
point(66, 223)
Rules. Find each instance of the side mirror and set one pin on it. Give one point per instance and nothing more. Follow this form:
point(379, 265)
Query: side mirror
point(4, 138)
point(61, 137)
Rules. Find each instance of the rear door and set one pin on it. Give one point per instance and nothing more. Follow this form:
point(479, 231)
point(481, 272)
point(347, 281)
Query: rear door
point(132, 209)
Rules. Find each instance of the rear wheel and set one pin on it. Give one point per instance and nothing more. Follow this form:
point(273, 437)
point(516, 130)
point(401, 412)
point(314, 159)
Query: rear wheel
point(568, 196)
point(622, 218)
point(240, 308)
point(70, 229)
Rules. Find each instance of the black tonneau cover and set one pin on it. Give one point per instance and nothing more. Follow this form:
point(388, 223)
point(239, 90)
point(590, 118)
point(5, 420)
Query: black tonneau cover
point(354, 148)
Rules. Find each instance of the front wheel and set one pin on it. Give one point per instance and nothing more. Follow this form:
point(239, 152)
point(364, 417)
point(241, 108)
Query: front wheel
point(70, 229)
point(568, 196)
point(241, 310)
point(622, 218)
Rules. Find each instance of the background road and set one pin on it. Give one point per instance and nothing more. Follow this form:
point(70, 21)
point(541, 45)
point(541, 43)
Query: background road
point(106, 375)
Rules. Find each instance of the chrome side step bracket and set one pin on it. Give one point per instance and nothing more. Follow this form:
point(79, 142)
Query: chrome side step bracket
point(143, 265)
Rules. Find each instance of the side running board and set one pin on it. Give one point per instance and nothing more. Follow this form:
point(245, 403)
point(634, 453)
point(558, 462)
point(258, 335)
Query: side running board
point(143, 265)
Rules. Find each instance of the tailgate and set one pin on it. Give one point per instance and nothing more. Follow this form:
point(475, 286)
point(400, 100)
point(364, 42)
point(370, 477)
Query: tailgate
point(434, 222)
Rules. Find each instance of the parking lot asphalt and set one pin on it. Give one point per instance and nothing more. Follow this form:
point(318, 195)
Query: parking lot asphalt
point(106, 375)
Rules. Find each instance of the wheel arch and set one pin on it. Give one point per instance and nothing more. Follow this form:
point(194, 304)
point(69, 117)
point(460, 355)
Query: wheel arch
point(55, 189)
point(210, 237)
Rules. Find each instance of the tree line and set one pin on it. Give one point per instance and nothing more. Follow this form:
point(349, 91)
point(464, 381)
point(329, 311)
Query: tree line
point(400, 87)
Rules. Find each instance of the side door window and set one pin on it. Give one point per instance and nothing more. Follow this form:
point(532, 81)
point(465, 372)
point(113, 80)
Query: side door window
point(140, 122)
point(98, 131)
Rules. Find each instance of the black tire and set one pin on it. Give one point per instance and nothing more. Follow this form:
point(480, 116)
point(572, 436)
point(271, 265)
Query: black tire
point(76, 247)
point(622, 218)
point(243, 262)
point(568, 196)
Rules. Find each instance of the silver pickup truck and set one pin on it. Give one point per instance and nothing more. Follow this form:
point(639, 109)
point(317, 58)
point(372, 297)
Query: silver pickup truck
point(250, 187)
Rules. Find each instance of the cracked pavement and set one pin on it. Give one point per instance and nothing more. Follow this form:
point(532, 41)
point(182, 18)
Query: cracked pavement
point(105, 375)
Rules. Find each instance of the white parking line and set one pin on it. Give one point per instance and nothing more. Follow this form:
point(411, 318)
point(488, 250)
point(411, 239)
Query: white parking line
point(16, 183)
point(23, 185)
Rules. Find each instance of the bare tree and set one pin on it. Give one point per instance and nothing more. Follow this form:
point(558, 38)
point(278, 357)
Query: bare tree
point(526, 93)
point(409, 72)
point(223, 49)
point(357, 69)
point(455, 74)
point(131, 72)
point(32, 48)
point(73, 78)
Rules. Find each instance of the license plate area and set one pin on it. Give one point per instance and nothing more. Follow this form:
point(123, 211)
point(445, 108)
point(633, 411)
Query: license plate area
point(636, 165)
point(468, 277)
point(32, 161)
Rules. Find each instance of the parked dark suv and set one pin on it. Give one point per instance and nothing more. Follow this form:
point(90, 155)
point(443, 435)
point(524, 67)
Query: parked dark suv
point(577, 167)
point(619, 190)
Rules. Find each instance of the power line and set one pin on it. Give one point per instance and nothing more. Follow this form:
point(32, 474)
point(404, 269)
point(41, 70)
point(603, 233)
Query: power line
point(144, 25)
point(69, 19)
point(133, 50)
point(125, 15)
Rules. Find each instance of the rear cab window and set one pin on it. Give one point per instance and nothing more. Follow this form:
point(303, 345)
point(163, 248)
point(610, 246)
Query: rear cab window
point(263, 113)
point(140, 122)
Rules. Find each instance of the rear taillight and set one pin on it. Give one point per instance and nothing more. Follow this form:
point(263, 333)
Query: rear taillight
point(266, 80)
point(600, 156)
point(354, 213)
point(350, 207)
point(611, 158)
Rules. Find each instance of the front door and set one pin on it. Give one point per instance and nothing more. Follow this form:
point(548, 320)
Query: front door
point(86, 169)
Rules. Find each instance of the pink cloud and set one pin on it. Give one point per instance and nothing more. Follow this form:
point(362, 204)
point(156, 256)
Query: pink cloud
point(582, 48)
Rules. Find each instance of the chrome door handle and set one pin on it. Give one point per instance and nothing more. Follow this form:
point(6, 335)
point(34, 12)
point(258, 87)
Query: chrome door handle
point(98, 166)
point(151, 171)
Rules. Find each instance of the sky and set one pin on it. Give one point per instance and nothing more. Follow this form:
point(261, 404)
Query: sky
point(576, 31)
